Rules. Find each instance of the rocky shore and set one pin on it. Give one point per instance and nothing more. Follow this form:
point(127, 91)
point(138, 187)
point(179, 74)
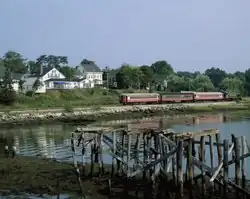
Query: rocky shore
point(96, 113)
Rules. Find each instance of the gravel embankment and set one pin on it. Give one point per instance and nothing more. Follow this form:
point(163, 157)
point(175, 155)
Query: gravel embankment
point(52, 114)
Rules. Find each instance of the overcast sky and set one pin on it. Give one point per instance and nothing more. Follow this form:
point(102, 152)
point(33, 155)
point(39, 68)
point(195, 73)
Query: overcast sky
point(191, 35)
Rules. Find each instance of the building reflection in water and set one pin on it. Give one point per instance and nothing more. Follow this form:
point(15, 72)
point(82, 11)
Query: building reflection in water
point(53, 141)
point(17, 144)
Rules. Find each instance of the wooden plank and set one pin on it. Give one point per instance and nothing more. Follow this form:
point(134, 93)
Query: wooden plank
point(93, 129)
point(149, 165)
point(217, 170)
point(186, 135)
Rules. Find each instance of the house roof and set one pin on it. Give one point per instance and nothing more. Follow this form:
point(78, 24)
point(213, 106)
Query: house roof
point(89, 68)
point(17, 76)
point(45, 71)
point(64, 80)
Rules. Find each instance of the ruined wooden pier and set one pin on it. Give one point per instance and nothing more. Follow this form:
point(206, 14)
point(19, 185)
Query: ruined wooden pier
point(169, 162)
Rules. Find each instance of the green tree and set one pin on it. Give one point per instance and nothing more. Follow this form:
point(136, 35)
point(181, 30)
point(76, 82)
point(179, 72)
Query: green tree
point(52, 61)
point(247, 81)
point(129, 77)
point(202, 83)
point(15, 62)
point(186, 74)
point(240, 75)
point(20, 85)
point(162, 69)
point(147, 76)
point(37, 84)
point(86, 61)
point(34, 67)
point(233, 86)
point(7, 93)
point(216, 75)
point(68, 72)
point(177, 83)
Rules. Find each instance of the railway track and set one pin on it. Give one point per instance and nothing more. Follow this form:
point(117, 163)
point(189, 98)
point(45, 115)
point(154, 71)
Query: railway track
point(57, 110)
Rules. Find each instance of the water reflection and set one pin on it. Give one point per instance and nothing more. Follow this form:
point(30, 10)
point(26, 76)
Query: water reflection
point(53, 141)
point(30, 196)
point(45, 141)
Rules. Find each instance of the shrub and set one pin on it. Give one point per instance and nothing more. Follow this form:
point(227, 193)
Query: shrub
point(8, 96)
point(68, 108)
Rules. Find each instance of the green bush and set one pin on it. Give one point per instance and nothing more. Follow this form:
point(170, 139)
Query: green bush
point(68, 99)
point(68, 108)
point(7, 97)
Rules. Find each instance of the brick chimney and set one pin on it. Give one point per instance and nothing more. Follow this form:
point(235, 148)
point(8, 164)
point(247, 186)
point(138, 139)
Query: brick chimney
point(41, 69)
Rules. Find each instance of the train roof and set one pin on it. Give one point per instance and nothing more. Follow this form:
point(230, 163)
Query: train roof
point(138, 94)
point(204, 93)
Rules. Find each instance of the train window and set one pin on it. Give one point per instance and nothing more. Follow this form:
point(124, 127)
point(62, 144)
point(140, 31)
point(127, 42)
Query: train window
point(141, 97)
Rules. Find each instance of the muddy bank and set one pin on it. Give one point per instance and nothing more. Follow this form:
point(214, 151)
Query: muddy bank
point(40, 176)
point(107, 113)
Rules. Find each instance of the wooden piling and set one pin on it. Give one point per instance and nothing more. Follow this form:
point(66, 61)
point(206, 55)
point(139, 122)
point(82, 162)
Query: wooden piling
point(114, 151)
point(190, 168)
point(237, 161)
point(219, 154)
point(243, 161)
point(211, 150)
point(179, 156)
point(225, 163)
point(100, 147)
point(202, 156)
point(92, 160)
point(73, 150)
point(128, 153)
point(159, 149)
point(83, 153)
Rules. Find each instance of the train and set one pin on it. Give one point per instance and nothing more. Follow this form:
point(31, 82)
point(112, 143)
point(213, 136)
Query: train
point(175, 97)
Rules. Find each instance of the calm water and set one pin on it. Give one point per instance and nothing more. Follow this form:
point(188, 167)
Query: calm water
point(53, 141)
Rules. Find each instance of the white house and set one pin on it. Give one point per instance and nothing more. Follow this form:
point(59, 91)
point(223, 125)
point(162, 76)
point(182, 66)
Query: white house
point(45, 74)
point(68, 84)
point(91, 73)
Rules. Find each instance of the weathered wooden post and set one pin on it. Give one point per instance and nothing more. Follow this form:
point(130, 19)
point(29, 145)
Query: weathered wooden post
point(173, 165)
point(202, 159)
point(179, 156)
point(219, 151)
point(13, 151)
point(73, 150)
point(225, 162)
point(83, 153)
point(92, 160)
point(237, 161)
point(190, 168)
point(6, 150)
point(100, 147)
point(114, 151)
point(211, 150)
point(243, 162)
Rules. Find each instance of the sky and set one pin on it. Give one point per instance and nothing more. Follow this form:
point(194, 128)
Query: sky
point(190, 35)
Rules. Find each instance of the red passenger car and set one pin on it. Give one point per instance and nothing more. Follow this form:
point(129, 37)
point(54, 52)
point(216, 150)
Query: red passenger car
point(140, 98)
point(177, 97)
point(208, 96)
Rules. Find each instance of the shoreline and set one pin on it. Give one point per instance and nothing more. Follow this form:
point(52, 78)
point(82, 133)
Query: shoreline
point(43, 177)
point(88, 115)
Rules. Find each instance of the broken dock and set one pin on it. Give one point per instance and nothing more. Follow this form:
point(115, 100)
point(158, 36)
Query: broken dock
point(168, 161)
